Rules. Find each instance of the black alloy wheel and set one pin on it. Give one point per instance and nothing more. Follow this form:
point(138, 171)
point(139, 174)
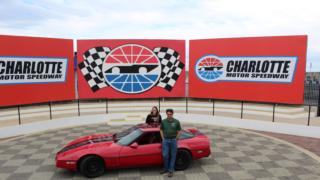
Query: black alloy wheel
point(183, 160)
point(92, 166)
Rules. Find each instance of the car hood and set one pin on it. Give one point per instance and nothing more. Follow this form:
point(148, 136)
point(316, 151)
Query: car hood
point(93, 137)
point(86, 140)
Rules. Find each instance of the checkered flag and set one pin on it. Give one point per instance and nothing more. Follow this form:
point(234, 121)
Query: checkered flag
point(171, 67)
point(91, 67)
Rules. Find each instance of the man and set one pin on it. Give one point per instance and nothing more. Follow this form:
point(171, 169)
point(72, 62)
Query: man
point(170, 131)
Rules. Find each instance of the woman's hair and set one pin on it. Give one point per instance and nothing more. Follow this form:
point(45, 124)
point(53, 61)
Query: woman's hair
point(157, 114)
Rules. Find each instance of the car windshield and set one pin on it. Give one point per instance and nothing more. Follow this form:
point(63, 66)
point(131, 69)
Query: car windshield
point(129, 138)
point(186, 135)
point(119, 135)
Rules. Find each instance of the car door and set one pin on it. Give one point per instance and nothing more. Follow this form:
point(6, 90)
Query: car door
point(146, 150)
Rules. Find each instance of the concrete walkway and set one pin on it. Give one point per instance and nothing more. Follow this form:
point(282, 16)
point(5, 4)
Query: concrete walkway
point(119, 119)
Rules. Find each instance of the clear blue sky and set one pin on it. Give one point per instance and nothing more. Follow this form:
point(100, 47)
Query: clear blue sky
point(150, 19)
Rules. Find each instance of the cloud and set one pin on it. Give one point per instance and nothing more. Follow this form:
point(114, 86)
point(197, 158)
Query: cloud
point(150, 19)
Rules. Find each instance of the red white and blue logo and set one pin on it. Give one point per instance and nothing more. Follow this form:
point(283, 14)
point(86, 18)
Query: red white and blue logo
point(131, 68)
point(209, 68)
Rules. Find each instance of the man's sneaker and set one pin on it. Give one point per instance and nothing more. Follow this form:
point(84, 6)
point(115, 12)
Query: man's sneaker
point(170, 174)
point(164, 171)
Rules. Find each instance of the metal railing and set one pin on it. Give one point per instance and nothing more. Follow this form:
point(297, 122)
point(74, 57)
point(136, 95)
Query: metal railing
point(304, 114)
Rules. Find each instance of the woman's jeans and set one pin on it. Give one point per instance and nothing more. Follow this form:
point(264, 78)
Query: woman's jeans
point(169, 152)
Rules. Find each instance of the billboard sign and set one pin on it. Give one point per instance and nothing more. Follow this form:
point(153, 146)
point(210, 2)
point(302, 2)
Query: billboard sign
point(35, 70)
point(131, 68)
point(260, 69)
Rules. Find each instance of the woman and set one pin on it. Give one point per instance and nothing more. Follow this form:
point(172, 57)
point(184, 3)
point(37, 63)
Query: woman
point(154, 117)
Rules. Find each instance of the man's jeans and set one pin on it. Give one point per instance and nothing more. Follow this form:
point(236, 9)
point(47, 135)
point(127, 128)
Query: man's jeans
point(169, 152)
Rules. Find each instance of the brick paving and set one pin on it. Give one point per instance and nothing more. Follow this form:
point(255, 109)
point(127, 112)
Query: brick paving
point(238, 154)
point(308, 143)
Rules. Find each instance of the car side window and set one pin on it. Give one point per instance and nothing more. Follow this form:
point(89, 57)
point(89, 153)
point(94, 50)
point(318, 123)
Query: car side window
point(149, 138)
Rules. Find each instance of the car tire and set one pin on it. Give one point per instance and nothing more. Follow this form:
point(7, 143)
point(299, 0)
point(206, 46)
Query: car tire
point(92, 166)
point(183, 160)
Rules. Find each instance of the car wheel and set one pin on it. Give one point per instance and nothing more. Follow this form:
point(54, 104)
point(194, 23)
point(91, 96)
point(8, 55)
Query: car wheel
point(92, 166)
point(183, 160)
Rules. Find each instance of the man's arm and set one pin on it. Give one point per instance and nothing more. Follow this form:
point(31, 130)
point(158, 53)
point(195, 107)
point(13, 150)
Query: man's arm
point(161, 130)
point(179, 130)
point(178, 135)
point(161, 133)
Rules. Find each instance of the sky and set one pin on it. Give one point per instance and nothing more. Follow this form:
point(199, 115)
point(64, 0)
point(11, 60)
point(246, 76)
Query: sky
point(164, 19)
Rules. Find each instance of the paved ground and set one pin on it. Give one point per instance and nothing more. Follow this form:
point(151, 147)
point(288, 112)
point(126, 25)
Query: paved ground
point(308, 143)
point(238, 155)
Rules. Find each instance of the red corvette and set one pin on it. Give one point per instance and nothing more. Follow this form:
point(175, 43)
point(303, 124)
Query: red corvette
point(137, 146)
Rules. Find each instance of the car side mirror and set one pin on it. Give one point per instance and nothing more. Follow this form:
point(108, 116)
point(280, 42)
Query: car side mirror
point(134, 145)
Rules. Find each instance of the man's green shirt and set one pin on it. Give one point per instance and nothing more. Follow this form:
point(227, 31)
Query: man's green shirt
point(170, 128)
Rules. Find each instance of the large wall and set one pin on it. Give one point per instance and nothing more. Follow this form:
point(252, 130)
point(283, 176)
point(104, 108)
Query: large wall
point(266, 69)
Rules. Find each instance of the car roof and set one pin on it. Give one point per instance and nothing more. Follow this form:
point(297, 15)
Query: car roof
point(148, 127)
point(151, 129)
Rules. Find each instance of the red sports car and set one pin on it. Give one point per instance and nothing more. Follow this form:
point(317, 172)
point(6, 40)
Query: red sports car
point(137, 146)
